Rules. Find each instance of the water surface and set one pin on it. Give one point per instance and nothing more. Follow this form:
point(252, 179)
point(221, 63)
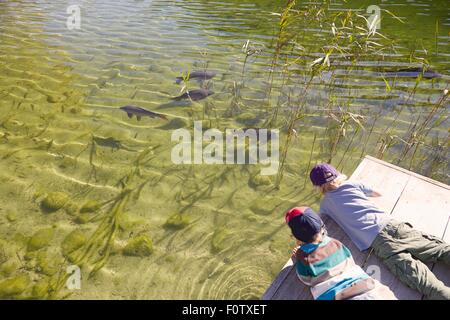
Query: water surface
point(61, 89)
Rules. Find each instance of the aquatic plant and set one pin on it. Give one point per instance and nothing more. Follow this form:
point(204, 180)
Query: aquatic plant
point(249, 49)
point(420, 129)
point(282, 39)
point(349, 38)
point(308, 167)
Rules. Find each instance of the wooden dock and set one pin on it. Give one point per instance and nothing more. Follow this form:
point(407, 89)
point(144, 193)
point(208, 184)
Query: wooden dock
point(408, 197)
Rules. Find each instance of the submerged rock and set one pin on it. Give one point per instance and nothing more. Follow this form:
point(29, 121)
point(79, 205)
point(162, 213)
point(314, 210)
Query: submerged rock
point(259, 180)
point(71, 208)
point(9, 267)
point(20, 239)
point(128, 222)
point(264, 206)
point(67, 162)
point(14, 286)
point(83, 218)
point(219, 240)
point(55, 98)
point(3, 251)
point(72, 242)
point(90, 206)
point(177, 221)
point(11, 216)
point(40, 239)
point(75, 110)
point(47, 264)
point(54, 201)
point(140, 246)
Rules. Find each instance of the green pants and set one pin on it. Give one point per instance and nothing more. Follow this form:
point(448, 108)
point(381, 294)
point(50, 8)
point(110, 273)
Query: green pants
point(405, 251)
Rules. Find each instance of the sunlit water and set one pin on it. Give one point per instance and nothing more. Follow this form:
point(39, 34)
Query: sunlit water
point(60, 89)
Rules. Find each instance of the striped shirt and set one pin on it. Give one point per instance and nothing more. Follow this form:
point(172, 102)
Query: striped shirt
point(329, 269)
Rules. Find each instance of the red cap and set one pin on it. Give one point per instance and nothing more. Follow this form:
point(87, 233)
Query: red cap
point(294, 212)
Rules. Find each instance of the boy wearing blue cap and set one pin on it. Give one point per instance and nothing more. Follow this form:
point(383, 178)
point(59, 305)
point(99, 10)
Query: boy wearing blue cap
point(403, 249)
point(326, 265)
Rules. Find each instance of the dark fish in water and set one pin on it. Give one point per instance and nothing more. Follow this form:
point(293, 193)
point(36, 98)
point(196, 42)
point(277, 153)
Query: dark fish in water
point(414, 73)
point(141, 112)
point(111, 143)
point(200, 75)
point(195, 95)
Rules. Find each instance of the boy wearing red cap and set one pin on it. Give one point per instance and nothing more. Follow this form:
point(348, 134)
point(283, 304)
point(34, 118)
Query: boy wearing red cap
point(403, 249)
point(326, 265)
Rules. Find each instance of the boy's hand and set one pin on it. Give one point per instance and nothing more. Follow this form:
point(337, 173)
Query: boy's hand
point(375, 194)
point(297, 244)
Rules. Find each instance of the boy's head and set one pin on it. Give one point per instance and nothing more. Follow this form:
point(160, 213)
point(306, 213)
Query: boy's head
point(323, 173)
point(304, 223)
point(326, 177)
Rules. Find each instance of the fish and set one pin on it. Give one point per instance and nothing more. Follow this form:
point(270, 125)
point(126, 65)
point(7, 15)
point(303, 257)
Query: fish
point(194, 95)
point(141, 112)
point(111, 143)
point(414, 72)
point(200, 75)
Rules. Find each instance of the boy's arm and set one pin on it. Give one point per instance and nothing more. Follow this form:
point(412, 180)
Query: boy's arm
point(323, 210)
point(369, 191)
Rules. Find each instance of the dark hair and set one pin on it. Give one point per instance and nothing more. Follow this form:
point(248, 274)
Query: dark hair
point(313, 238)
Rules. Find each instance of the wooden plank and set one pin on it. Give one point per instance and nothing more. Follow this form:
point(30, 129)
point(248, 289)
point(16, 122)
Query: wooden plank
point(426, 206)
point(292, 289)
point(410, 173)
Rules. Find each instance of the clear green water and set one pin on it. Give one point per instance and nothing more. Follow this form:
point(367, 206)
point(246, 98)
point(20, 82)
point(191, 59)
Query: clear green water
point(60, 88)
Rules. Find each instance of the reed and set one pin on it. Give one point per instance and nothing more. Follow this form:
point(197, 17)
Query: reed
point(308, 167)
point(420, 129)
